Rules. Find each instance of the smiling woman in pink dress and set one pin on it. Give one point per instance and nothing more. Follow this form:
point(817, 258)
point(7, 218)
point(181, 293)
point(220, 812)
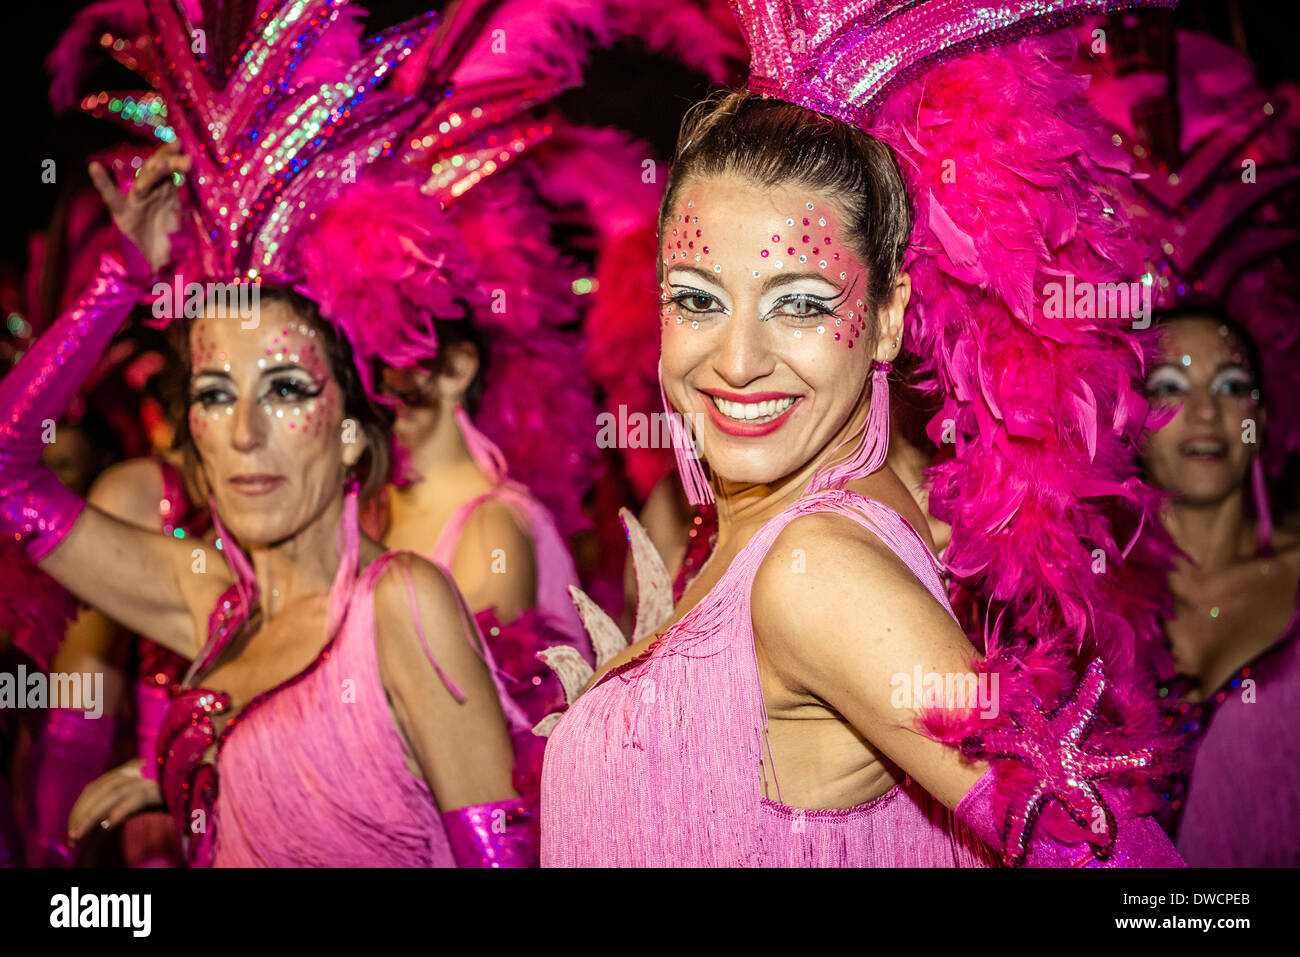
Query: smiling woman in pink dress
point(338, 711)
point(765, 721)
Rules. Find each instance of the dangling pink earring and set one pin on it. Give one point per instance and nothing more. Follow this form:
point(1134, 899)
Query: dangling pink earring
point(1263, 514)
point(696, 483)
point(873, 445)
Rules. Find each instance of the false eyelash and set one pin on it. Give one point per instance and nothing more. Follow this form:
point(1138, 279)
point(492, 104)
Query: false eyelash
point(844, 295)
point(689, 293)
point(825, 307)
point(304, 392)
point(822, 307)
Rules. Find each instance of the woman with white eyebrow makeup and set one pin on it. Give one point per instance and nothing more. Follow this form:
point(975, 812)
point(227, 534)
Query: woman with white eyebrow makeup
point(335, 714)
point(266, 432)
point(765, 720)
point(1235, 631)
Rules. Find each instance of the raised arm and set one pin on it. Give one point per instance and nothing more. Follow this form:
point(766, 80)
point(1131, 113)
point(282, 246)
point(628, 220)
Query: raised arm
point(448, 710)
point(852, 629)
point(141, 579)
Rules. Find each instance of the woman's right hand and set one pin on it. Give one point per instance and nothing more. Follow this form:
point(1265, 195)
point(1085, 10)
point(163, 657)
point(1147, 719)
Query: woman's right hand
point(150, 212)
point(111, 798)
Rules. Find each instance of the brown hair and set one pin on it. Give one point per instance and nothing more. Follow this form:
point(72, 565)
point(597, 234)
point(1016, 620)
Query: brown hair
point(375, 421)
point(452, 332)
point(772, 143)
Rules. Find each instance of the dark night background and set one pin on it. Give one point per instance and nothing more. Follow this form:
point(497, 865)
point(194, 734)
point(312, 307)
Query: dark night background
point(625, 88)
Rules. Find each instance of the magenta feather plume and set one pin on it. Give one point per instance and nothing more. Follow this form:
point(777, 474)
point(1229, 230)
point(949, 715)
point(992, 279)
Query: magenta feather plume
point(537, 405)
point(382, 263)
point(1015, 188)
point(701, 34)
point(612, 184)
point(1124, 721)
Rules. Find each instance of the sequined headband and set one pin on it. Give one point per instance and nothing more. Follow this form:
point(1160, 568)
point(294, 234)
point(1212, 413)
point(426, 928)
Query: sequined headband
point(842, 58)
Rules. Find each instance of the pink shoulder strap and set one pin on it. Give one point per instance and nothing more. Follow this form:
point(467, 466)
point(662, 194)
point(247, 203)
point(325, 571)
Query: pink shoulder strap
point(515, 716)
point(444, 550)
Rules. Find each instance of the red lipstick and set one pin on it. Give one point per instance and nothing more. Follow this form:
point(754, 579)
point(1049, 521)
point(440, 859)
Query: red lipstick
point(748, 429)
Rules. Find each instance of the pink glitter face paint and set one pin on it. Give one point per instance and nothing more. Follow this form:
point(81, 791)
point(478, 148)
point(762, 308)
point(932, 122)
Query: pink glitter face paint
point(265, 415)
point(760, 340)
point(696, 265)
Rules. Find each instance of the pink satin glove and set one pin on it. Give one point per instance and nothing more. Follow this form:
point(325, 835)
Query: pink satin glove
point(36, 510)
point(500, 834)
point(1043, 802)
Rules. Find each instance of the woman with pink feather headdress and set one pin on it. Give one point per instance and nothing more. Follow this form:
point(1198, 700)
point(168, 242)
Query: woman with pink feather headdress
point(285, 405)
point(1216, 188)
point(784, 712)
point(130, 386)
point(454, 501)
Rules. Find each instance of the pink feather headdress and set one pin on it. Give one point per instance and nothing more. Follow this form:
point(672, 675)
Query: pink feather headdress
point(368, 174)
point(1054, 540)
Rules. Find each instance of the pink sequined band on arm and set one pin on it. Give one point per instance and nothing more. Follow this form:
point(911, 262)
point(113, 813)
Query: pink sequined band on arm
point(36, 510)
point(500, 834)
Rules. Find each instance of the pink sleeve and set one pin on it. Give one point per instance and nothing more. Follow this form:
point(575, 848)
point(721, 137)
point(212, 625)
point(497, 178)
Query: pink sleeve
point(500, 834)
point(1060, 791)
point(36, 510)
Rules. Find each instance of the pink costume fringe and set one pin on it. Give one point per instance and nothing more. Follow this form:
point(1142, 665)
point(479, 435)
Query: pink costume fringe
point(305, 779)
point(685, 445)
point(624, 787)
point(872, 439)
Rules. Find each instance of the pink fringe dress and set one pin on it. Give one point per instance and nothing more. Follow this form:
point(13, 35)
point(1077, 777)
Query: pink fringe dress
point(661, 763)
point(311, 773)
point(1242, 807)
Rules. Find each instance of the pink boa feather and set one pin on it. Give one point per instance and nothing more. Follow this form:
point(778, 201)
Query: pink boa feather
point(1041, 487)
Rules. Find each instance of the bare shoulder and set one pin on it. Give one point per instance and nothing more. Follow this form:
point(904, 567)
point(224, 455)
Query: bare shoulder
point(827, 554)
point(433, 588)
point(495, 562)
point(495, 524)
point(831, 596)
point(131, 491)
